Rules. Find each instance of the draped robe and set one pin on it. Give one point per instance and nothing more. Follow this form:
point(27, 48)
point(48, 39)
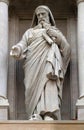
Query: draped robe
point(44, 70)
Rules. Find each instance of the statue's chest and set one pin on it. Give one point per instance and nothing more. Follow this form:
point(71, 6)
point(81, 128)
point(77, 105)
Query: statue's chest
point(38, 32)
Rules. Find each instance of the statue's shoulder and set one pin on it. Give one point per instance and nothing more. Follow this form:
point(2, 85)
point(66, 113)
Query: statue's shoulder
point(28, 31)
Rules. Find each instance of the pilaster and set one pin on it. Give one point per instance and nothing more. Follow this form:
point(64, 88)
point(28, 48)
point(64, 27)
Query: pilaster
point(80, 101)
point(3, 59)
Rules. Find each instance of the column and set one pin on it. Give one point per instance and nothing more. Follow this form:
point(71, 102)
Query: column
point(80, 101)
point(3, 58)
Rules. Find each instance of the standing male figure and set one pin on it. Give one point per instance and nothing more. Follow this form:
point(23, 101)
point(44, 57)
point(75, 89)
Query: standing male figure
point(47, 54)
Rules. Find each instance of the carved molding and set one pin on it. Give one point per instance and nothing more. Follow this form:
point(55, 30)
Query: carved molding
point(79, 1)
point(5, 1)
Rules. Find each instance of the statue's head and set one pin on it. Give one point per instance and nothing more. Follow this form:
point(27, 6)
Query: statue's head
point(42, 13)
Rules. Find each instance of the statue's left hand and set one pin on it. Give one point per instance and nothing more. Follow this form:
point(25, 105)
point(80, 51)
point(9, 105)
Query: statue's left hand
point(52, 33)
point(55, 35)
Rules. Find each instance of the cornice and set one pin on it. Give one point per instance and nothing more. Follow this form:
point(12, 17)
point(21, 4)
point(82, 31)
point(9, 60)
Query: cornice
point(5, 1)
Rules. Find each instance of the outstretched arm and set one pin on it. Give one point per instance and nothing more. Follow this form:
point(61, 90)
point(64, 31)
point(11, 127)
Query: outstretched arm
point(18, 50)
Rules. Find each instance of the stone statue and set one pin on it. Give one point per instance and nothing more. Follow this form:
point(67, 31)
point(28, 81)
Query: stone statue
point(47, 54)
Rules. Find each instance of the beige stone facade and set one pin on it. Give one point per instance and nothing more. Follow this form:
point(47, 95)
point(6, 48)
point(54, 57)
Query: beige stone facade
point(16, 17)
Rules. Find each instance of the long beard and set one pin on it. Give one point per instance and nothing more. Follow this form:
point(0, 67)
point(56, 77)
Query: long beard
point(43, 24)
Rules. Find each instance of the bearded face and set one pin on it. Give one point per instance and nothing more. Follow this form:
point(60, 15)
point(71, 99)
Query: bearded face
point(42, 15)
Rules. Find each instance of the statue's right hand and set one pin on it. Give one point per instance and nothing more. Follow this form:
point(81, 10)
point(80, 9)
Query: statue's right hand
point(15, 51)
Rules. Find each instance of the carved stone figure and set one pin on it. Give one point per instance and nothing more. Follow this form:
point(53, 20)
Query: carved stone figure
point(47, 54)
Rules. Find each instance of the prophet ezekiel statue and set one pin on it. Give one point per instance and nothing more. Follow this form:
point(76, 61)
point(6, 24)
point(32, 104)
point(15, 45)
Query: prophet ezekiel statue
point(47, 54)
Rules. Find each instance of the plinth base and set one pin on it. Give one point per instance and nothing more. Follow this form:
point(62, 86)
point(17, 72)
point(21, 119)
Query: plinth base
point(53, 125)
